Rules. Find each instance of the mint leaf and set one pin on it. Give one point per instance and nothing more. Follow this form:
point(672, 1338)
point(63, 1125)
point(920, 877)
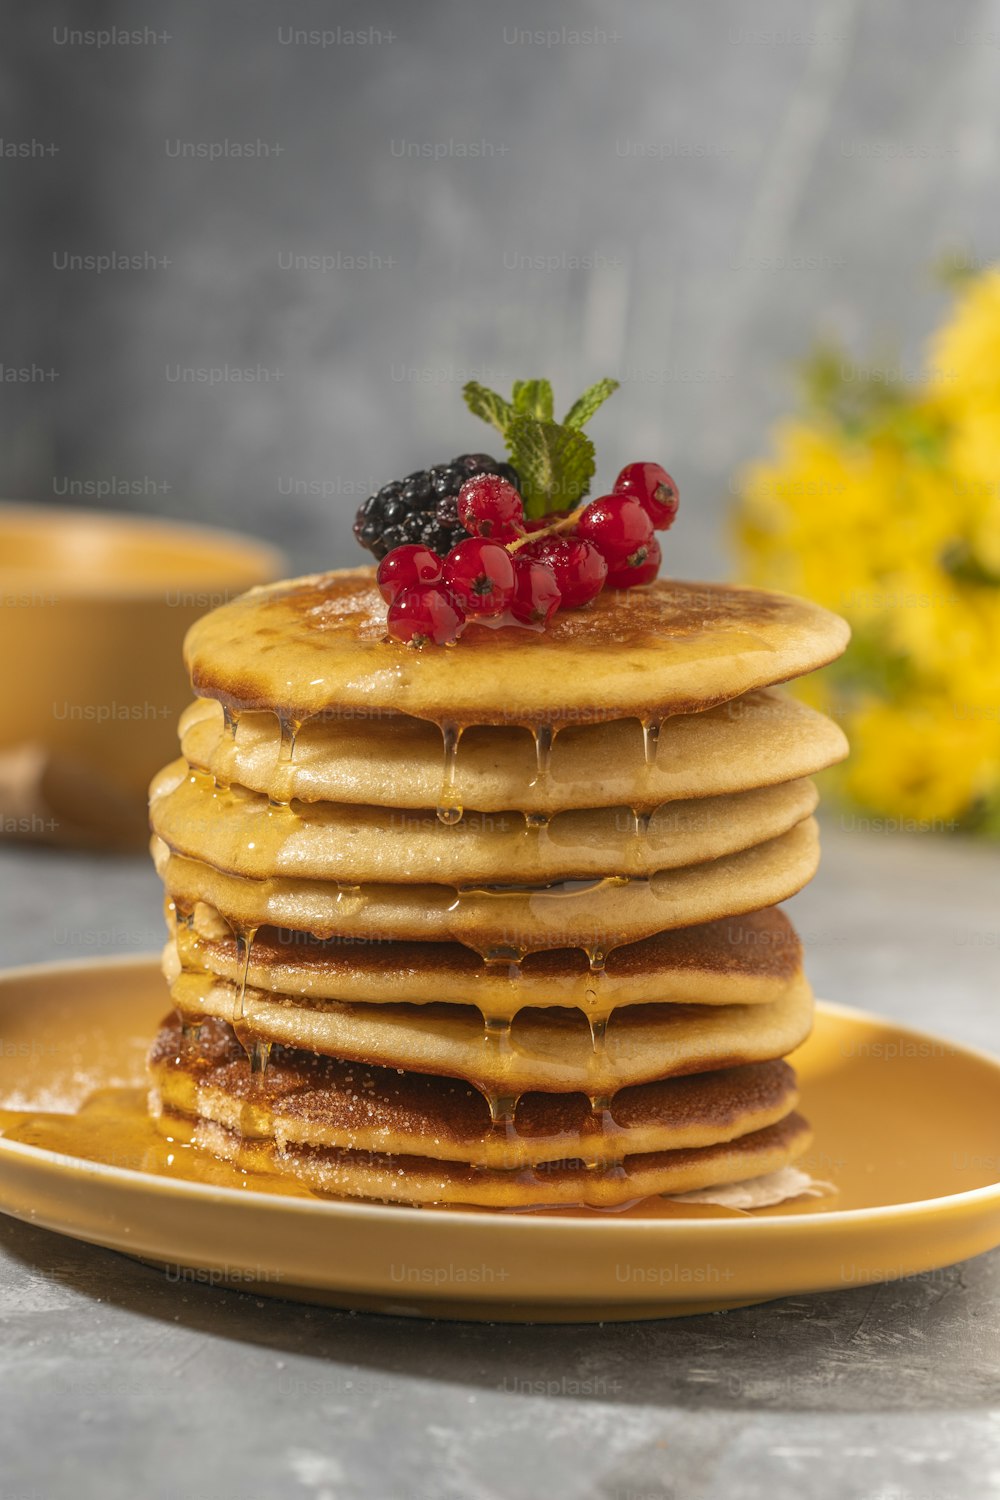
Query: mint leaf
point(555, 463)
point(482, 402)
point(554, 459)
point(584, 407)
point(533, 398)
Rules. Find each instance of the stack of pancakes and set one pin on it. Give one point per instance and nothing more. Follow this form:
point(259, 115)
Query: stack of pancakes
point(492, 924)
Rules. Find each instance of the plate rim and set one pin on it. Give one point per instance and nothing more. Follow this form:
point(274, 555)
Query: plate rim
point(57, 1162)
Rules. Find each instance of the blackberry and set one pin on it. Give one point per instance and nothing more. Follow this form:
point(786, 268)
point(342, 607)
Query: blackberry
point(414, 525)
point(446, 512)
point(417, 491)
point(393, 536)
point(440, 540)
point(423, 507)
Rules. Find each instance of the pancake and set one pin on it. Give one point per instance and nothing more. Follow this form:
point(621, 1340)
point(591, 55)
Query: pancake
point(320, 1101)
point(318, 645)
point(241, 833)
point(760, 739)
point(552, 1050)
point(748, 960)
point(495, 924)
point(597, 916)
point(421, 1180)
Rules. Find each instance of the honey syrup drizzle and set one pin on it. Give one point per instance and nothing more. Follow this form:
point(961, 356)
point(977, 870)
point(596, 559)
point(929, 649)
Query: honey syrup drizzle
point(288, 728)
point(449, 808)
point(502, 1103)
point(650, 739)
point(113, 1127)
point(497, 1038)
point(244, 939)
point(598, 1024)
point(597, 957)
point(230, 721)
point(254, 1122)
point(544, 737)
point(641, 822)
point(189, 953)
point(600, 1144)
point(601, 1134)
point(601, 1137)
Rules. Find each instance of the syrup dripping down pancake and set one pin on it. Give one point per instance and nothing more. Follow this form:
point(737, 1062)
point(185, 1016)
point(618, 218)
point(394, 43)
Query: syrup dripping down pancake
point(551, 1050)
point(318, 645)
point(242, 833)
point(305, 1100)
point(589, 1182)
point(390, 760)
point(597, 915)
point(748, 960)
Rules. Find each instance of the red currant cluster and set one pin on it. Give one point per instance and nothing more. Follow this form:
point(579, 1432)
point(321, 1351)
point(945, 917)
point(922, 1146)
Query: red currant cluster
point(501, 576)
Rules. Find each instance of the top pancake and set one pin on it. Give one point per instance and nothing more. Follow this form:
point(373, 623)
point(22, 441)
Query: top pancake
point(318, 646)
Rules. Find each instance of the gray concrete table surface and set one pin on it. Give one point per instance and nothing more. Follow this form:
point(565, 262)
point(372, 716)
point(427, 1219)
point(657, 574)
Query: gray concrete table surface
point(117, 1381)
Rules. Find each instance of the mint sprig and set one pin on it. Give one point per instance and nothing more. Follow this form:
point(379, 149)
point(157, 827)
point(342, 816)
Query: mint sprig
point(485, 403)
point(555, 462)
point(584, 406)
point(533, 398)
point(554, 459)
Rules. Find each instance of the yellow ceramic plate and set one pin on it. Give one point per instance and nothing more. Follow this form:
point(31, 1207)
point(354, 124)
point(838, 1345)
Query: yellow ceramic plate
point(907, 1127)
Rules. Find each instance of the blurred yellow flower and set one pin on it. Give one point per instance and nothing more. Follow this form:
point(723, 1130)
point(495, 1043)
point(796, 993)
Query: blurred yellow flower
point(883, 503)
point(975, 476)
point(920, 761)
point(964, 356)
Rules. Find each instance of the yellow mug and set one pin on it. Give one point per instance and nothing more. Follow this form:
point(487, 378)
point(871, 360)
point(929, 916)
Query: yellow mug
point(93, 612)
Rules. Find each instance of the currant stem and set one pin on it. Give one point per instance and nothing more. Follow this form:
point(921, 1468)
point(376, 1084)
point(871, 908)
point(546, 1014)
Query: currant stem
point(563, 524)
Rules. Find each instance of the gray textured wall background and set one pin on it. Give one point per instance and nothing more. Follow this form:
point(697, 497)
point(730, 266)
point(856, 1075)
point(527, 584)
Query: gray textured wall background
point(738, 177)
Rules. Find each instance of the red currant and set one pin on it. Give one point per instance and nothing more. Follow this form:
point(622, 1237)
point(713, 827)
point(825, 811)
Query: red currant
point(619, 527)
point(481, 576)
point(489, 506)
point(536, 593)
point(425, 615)
point(633, 573)
point(654, 488)
point(404, 567)
point(579, 568)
